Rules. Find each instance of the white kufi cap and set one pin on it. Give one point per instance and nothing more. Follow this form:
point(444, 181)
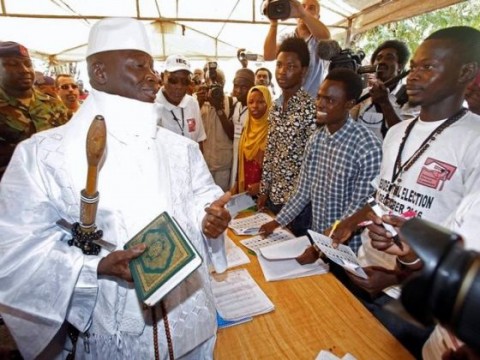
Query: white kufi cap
point(118, 34)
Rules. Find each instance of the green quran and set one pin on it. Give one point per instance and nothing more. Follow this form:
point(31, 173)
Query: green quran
point(169, 258)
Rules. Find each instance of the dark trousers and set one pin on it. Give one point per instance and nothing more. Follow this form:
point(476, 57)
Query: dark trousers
point(300, 224)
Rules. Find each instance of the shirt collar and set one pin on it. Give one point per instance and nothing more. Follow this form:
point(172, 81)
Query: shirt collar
point(161, 99)
point(127, 119)
point(342, 134)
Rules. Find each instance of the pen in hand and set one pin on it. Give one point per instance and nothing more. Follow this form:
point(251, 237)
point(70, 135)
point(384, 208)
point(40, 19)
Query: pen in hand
point(379, 212)
point(334, 226)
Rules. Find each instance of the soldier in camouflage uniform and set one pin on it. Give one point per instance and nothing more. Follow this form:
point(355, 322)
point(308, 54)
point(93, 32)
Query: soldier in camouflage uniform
point(23, 109)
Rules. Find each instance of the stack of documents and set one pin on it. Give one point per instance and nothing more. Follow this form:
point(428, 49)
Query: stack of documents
point(278, 261)
point(238, 296)
point(249, 225)
point(235, 255)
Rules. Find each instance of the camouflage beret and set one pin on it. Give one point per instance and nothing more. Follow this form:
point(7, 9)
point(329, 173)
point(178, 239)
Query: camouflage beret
point(10, 48)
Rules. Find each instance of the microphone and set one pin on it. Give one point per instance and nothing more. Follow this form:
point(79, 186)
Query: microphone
point(328, 49)
point(387, 84)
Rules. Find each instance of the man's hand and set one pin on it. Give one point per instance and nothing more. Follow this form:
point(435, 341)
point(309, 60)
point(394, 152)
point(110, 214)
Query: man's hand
point(116, 263)
point(201, 94)
point(253, 189)
point(379, 93)
point(268, 228)
point(261, 201)
point(217, 218)
point(309, 256)
point(382, 239)
point(379, 278)
point(296, 10)
point(342, 232)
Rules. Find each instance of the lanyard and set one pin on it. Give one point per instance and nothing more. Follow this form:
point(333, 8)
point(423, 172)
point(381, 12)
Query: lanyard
point(178, 121)
point(399, 167)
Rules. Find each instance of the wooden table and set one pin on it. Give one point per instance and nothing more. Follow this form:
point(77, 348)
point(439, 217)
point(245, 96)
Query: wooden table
point(311, 314)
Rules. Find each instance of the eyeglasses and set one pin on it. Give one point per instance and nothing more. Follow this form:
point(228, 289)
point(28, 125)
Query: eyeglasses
point(68, 86)
point(175, 81)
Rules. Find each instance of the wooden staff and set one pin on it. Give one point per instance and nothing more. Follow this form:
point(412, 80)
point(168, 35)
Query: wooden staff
point(96, 143)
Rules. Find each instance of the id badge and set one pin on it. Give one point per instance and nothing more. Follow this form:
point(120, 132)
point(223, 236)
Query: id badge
point(191, 125)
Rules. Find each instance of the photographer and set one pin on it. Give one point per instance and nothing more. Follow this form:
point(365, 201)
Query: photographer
point(310, 29)
point(178, 111)
point(464, 221)
point(218, 112)
point(387, 105)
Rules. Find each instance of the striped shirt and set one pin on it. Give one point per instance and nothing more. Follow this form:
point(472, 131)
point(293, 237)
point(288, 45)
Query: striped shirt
point(335, 176)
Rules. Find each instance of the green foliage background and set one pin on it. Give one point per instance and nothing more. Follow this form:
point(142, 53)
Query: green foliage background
point(415, 29)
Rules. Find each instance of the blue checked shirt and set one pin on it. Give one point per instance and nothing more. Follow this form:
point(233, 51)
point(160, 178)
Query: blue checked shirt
point(335, 176)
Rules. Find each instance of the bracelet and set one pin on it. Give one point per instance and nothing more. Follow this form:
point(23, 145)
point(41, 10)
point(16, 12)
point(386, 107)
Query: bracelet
point(416, 261)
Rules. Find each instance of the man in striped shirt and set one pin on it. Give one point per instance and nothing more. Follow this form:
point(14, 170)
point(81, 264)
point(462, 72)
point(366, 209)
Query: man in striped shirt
point(341, 159)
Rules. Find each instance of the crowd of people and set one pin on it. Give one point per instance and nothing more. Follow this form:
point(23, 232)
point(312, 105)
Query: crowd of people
point(176, 142)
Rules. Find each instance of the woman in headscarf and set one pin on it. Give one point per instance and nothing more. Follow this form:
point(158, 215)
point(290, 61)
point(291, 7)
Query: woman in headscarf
point(253, 140)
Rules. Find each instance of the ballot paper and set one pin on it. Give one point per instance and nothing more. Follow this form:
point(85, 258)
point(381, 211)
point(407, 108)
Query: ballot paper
point(342, 255)
point(278, 261)
point(238, 296)
point(238, 203)
point(249, 225)
point(235, 255)
point(257, 242)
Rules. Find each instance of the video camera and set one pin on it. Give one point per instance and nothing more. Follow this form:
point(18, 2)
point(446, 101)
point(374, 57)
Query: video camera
point(348, 59)
point(447, 289)
point(243, 55)
point(277, 9)
point(214, 90)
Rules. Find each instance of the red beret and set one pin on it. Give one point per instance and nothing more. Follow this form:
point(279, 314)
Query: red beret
point(10, 48)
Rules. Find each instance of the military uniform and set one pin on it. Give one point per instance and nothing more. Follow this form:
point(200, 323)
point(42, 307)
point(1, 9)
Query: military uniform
point(19, 121)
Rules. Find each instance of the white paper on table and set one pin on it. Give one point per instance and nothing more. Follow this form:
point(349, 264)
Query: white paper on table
point(239, 202)
point(327, 355)
point(342, 255)
point(285, 266)
point(235, 255)
point(286, 250)
point(257, 242)
point(238, 296)
point(249, 225)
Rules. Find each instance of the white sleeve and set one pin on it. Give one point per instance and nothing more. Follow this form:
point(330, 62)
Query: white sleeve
point(205, 192)
point(40, 274)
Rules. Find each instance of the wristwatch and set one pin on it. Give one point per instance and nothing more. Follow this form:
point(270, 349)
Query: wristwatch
point(220, 112)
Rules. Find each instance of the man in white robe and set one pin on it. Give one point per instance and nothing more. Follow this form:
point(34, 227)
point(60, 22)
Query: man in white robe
point(44, 282)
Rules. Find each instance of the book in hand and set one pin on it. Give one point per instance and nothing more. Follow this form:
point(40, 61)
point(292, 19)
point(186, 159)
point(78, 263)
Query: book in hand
point(169, 258)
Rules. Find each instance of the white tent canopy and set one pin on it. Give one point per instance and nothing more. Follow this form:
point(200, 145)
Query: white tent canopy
point(57, 30)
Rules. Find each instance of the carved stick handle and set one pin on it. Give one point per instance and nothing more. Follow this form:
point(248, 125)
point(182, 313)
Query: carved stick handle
point(96, 143)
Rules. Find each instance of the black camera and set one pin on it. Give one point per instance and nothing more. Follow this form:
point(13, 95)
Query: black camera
point(348, 59)
point(447, 289)
point(277, 9)
point(214, 90)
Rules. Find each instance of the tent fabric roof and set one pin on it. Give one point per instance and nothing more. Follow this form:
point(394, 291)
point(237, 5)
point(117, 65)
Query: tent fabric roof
point(57, 30)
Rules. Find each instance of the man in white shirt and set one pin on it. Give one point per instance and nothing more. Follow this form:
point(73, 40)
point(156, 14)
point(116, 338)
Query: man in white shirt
point(46, 283)
point(178, 111)
point(386, 105)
